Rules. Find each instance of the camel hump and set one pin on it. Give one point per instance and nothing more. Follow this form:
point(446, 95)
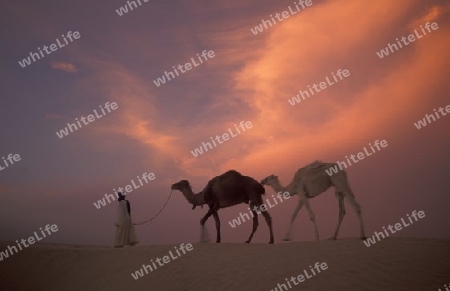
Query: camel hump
point(232, 173)
point(236, 181)
point(316, 164)
point(226, 177)
point(308, 168)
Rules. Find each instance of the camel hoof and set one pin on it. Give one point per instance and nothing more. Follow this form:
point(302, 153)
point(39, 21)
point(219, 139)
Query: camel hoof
point(286, 239)
point(271, 242)
point(363, 238)
point(247, 242)
point(332, 238)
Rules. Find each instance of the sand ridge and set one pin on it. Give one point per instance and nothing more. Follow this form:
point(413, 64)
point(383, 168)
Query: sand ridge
point(392, 264)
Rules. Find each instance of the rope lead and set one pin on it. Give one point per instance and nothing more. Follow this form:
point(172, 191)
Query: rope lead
point(164, 206)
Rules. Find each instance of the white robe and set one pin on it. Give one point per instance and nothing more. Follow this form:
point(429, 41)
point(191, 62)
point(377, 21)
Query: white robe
point(125, 234)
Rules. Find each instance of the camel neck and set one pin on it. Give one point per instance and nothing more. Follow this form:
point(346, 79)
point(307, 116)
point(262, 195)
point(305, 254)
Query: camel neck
point(194, 199)
point(279, 188)
point(199, 199)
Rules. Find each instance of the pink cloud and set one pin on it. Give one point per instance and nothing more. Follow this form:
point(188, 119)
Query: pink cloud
point(65, 67)
point(52, 116)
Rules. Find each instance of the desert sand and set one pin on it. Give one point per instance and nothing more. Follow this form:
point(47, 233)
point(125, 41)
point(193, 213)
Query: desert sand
point(391, 264)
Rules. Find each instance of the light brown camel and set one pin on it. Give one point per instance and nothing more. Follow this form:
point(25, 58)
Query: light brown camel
point(311, 181)
point(228, 189)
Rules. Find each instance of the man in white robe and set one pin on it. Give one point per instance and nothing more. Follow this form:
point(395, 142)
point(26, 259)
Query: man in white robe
point(125, 234)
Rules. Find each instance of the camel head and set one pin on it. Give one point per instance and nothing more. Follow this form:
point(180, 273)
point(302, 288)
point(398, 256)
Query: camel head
point(269, 180)
point(273, 182)
point(180, 186)
point(185, 188)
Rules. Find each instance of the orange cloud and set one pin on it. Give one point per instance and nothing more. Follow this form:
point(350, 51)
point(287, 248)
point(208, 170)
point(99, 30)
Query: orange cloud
point(380, 98)
point(136, 119)
point(303, 50)
point(65, 67)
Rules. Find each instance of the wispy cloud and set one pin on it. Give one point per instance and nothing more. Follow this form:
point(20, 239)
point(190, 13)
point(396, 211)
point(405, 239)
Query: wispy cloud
point(262, 73)
point(64, 66)
point(52, 116)
point(284, 64)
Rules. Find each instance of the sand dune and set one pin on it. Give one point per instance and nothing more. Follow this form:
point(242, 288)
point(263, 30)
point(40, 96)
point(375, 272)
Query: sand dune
point(392, 264)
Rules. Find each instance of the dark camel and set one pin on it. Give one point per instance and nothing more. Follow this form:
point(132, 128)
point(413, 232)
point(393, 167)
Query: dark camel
point(228, 189)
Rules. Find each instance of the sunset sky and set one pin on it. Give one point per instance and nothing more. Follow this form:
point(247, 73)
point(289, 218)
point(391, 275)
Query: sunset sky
point(251, 79)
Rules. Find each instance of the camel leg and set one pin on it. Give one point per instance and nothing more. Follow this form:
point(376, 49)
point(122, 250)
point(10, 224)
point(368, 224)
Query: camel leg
point(204, 236)
point(216, 218)
point(293, 217)
point(269, 223)
point(357, 207)
point(340, 181)
point(340, 197)
point(312, 216)
point(255, 224)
